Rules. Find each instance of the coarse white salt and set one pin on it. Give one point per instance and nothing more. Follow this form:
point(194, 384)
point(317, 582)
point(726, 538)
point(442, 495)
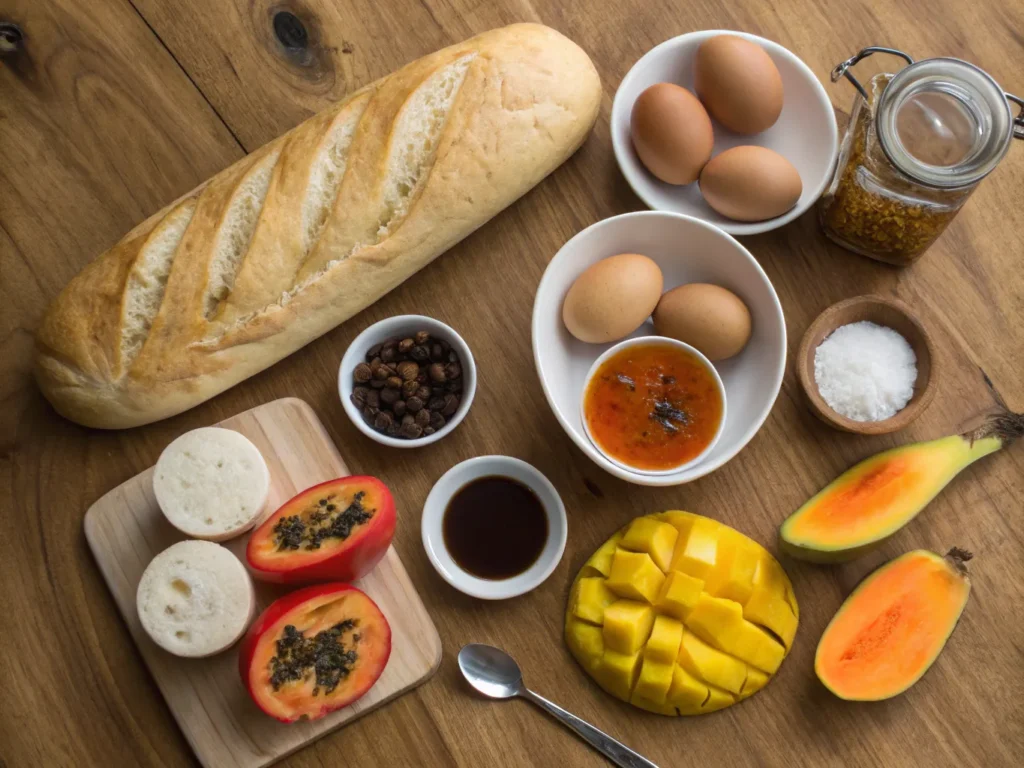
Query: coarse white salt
point(865, 371)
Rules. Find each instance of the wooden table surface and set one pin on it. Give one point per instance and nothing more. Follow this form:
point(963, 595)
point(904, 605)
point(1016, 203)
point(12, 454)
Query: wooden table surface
point(112, 108)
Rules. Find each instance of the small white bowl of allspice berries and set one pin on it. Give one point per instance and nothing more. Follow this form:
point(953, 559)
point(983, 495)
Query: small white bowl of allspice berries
point(407, 381)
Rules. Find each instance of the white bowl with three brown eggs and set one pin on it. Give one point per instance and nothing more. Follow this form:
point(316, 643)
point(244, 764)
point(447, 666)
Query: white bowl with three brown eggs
point(734, 119)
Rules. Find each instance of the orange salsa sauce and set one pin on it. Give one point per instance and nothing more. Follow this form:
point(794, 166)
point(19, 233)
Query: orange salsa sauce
point(652, 406)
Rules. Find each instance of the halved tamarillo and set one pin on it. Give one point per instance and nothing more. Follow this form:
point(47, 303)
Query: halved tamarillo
point(871, 501)
point(334, 531)
point(893, 626)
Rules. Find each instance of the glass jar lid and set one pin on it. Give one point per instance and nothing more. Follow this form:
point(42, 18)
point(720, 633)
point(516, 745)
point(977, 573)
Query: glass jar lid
point(943, 122)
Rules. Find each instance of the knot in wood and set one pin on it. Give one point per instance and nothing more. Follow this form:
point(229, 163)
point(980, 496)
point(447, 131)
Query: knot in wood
point(11, 38)
point(290, 30)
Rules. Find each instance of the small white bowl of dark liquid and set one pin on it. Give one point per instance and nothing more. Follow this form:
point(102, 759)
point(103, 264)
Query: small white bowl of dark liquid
point(494, 527)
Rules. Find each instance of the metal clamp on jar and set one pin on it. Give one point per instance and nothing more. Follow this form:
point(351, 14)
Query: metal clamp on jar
point(917, 145)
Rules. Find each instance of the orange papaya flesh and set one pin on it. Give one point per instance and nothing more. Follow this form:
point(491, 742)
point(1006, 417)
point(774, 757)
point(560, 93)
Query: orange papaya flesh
point(871, 501)
point(891, 628)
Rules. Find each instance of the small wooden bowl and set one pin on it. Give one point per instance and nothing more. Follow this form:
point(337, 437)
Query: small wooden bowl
point(876, 309)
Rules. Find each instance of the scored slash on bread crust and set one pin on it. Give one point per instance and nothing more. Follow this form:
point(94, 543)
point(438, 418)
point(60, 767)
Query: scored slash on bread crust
point(307, 231)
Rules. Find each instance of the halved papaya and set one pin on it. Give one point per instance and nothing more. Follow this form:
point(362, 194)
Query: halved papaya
point(871, 501)
point(893, 626)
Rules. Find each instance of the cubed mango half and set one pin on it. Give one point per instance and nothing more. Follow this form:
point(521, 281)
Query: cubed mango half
point(702, 635)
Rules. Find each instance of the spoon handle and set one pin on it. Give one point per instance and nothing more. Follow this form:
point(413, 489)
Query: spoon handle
point(614, 750)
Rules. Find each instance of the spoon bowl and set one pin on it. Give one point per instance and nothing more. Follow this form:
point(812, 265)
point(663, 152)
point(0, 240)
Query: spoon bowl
point(490, 671)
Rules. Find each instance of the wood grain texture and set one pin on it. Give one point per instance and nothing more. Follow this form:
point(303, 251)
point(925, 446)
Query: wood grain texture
point(80, 695)
point(126, 529)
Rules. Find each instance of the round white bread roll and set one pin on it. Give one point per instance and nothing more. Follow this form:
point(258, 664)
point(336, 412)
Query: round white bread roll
point(195, 599)
point(211, 483)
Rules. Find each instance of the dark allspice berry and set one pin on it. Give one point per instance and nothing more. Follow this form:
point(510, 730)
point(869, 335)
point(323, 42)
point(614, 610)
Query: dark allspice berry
point(451, 404)
point(362, 373)
point(437, 373)
point(359, 395)
point(408, 370)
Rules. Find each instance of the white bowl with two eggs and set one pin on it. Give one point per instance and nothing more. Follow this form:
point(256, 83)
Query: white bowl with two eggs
point(686, 250)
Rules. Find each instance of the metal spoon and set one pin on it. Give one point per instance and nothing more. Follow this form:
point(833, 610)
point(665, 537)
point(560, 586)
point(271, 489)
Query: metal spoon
point(495, 674)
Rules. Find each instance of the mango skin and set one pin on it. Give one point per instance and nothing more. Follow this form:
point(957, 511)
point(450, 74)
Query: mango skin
point(926, 592)
point(641, 648)
point(874, 499)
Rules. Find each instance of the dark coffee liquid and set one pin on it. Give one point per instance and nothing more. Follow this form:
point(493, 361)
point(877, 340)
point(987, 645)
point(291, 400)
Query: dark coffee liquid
point(495, 527)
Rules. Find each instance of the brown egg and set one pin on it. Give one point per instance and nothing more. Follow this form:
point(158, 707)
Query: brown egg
point(738, 83)
point(612, 298)
point(708, 317)
point(750, 184)
point(671, 133)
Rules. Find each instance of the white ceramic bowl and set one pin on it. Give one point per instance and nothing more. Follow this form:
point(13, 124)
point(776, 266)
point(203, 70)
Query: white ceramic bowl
point(433, 536)
point(687, 250)
point(615, 349)
point(805, 133)
point(402, 326)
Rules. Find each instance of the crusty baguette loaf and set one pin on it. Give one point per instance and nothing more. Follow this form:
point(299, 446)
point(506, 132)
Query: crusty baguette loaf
point(307, 231)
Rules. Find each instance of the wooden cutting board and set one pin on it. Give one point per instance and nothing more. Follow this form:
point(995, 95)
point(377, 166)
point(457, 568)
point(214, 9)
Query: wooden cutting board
point(125, 529)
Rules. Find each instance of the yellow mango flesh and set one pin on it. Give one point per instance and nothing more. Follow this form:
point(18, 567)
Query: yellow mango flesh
point(627, 625)
point(891, 629)
point(601, 560)
point(872, 500)
point(678, 595)
point(635, 576)
point(666, 636)
point(654, 681)
point(756, 680)
point(590, 598)
point(697, 621)
point(717, 668)
point(655, 538)
point(617, 672)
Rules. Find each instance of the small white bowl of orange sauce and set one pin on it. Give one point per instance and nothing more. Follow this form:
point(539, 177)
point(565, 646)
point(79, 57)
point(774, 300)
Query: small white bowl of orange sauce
point(653, 405)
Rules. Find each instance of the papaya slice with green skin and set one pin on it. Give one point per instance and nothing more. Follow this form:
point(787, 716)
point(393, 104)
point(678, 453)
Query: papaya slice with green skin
point(871, 501)
point(893, 626)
